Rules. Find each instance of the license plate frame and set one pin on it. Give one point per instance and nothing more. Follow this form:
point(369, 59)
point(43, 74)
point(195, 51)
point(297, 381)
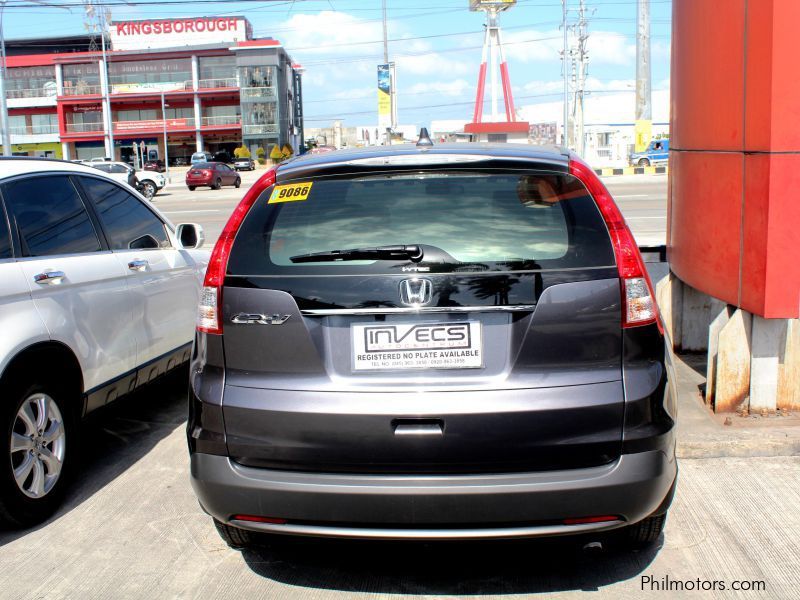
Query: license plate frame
point(416, 346)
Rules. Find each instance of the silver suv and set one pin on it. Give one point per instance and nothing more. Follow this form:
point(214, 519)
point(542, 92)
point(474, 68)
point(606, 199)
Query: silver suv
point(97, 297)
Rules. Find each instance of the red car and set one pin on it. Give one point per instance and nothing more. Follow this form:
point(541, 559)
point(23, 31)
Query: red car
point(212, 174)
point(155, 165)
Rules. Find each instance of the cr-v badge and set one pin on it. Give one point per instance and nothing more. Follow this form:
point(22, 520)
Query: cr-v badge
point(415, 292)
point(256, 319)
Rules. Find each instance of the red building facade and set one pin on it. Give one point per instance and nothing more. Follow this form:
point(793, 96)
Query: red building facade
point(219, 89)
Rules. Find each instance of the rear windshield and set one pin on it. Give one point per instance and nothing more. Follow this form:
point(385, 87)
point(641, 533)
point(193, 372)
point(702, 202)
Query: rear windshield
point(204, 165)
point(462, 221)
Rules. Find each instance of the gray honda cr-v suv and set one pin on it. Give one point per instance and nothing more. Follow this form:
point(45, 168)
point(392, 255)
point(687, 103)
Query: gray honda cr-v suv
point(454, 342)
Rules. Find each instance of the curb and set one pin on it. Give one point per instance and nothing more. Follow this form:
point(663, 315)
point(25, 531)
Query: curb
point(701, 434)
point(606, 171)
point(740, 446)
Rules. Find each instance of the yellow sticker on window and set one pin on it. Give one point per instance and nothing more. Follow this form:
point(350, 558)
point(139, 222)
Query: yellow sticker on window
point(291, 192)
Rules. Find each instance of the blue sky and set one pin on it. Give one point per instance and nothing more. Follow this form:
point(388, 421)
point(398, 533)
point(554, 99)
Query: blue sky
point(436, 45)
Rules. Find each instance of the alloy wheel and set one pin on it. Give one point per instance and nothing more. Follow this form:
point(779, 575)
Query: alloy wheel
point(37, 446)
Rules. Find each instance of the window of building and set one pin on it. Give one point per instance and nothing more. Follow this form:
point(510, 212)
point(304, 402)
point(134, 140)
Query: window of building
point(256, 77)
point(30, 82)
point(138, 115)
point(81, 79)
point(56, 223)
point(47, 123)
point(217, 71)
point(186, 112)
point(130, 75)
point(17, 124)
point(222, 115)
point(85, 121)
point(262, 113)
point(127, 222)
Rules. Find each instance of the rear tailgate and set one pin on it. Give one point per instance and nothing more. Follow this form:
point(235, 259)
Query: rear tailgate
point(512, 361)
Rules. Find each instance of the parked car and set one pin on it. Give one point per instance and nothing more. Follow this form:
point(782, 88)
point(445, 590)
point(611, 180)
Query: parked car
point(222, 156)
point(149, 183)
point(322, 149)
point(656, 153)
point(244, 164)
point(155, 165)
point(213, 175)
point(431, 343)
point(199, 157)
point(98, 293)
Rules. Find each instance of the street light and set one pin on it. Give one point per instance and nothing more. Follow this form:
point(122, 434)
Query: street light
point(166, 147)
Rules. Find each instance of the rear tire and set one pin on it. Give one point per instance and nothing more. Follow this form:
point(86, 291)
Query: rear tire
point(237, 183)
point(36, 446)
point(644, 162)
point(645, 532)
point(236, 538)
point(148, 189)
point(192, 188)
point(217, 184)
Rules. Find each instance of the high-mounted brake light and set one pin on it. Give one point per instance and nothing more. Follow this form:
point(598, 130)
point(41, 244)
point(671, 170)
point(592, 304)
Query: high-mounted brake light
point(638, 300)
point(209, 316)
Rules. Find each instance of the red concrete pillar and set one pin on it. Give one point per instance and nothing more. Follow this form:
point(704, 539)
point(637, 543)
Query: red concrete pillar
point(734, 208)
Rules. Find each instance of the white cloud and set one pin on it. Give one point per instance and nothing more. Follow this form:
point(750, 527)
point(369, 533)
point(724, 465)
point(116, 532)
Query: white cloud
point(610, 48)
point(329, 33)
point(429, 62)
point(455, 88)
point(603, 47)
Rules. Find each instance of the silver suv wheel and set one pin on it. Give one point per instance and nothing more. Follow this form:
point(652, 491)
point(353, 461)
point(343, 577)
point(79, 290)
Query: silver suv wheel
point(37, 445)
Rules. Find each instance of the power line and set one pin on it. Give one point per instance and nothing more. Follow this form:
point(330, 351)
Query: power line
point(333, 116)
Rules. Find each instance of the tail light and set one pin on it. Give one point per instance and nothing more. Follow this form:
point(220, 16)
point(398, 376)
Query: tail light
point(638, 300)
point(209, 316)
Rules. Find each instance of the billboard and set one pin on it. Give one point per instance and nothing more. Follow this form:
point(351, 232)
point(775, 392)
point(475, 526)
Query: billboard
point(384, 97)
point(496, 4)
point(171, 33)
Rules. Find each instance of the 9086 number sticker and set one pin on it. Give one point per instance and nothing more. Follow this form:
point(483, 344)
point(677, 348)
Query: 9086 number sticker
point(291, 192)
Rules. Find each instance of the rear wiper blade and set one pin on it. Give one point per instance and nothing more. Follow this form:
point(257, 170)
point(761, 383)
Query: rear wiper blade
point(413, 252)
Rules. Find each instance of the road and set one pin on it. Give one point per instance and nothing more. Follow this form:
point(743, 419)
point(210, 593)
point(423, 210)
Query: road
point(643, 202)
point(642, 199)
point(131, 528)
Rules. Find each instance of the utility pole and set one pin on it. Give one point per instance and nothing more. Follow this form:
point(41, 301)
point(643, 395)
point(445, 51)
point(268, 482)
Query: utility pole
point(582, 58)
point(4, 121)
point(644, 116)
point(385, 35)
point(564, 53)
point(388, 132)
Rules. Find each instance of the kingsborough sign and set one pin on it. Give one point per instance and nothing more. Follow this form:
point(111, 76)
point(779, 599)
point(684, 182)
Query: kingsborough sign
point(171, 33)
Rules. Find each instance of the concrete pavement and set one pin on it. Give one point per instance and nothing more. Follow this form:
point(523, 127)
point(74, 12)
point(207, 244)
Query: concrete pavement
point(131, 528)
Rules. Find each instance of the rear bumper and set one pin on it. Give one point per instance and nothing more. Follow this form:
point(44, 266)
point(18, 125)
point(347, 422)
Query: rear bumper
point(435, 506)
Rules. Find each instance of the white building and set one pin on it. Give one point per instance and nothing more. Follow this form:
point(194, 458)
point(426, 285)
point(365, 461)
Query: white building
point(608, 123)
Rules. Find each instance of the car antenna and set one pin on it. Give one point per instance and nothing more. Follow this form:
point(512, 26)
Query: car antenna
point(424, 139)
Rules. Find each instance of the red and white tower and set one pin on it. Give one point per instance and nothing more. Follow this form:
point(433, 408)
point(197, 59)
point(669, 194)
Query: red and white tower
point(513, 129)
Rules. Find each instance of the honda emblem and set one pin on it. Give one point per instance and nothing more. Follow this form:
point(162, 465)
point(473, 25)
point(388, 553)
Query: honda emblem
point(415, 292)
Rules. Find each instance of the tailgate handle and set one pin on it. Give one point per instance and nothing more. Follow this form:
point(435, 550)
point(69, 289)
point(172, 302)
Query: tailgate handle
point(418, 426)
